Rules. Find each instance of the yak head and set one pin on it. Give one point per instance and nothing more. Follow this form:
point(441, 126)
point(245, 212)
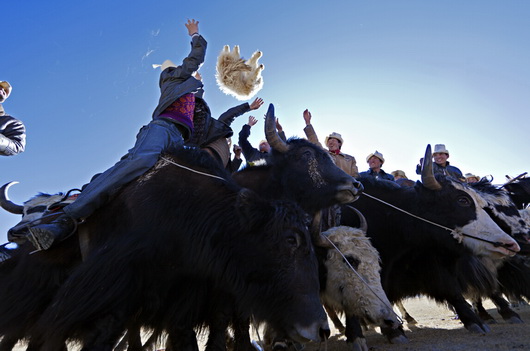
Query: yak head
point(31, 211)
point(465, 210)
point(504, 212)
point(353, 280)
point(299, 171)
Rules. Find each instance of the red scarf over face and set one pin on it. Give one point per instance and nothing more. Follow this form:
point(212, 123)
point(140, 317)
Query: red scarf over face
point(181, 110)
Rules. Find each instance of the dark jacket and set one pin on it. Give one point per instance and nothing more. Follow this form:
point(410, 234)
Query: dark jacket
point(177, 81)
point(234, 164)
point(448, 170)
point(381, 175)
point(251, 153)
point(208, 129)
point(12, 135)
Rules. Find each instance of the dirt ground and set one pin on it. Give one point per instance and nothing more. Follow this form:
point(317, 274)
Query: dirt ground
point(437, 330)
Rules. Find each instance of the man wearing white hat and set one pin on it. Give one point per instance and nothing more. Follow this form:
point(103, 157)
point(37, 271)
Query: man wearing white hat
point(375, 160)
point(441, 165)
point(334, 143)
point(12, 131)
point(171, 125)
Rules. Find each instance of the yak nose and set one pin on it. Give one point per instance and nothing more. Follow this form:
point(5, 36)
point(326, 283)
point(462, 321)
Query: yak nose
point(17, 234)
point(510, 246)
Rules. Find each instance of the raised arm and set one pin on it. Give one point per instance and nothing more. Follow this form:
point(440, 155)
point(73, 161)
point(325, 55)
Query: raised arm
point(229, 116)
point(194, 59)
point(249, 152)
point(308, 130)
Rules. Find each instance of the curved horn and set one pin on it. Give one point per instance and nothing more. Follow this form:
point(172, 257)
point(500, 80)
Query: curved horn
point(271, 133)
point(316, 231)
point(363, 223)
point(7, 204)
point(427, 174)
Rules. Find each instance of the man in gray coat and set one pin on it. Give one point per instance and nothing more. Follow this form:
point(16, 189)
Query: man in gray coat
point(12, 131)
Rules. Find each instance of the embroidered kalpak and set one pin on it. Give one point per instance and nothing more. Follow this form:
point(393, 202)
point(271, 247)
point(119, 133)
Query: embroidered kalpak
point(181, 110)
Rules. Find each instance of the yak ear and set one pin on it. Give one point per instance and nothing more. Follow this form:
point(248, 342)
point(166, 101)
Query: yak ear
point(246, 197)
point(249, 204)
point(246, 201)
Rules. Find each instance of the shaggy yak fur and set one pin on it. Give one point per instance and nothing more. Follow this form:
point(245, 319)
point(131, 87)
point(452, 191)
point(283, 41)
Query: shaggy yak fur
point(29, 281)
point(237, 77)
point(165, 247)
point(354, 287)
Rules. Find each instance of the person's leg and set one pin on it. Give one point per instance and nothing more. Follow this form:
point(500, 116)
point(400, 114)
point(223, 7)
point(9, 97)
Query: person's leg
point(152, 140)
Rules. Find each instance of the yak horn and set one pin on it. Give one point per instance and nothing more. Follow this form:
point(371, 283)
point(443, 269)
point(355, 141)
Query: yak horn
point(271, 133)
point(316, 232)
point(363, 223)
point(427, 174)
point(7, 204)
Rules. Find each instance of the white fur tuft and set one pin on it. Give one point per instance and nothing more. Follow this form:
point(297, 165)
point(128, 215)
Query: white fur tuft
point(237, 77)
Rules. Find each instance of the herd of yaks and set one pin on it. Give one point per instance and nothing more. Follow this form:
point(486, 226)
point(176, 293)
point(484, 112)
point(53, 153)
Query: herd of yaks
point(178, 251)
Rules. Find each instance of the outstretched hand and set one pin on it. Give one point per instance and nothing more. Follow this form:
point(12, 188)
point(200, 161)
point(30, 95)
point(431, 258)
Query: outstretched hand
point(256, 104)
point(237, 151)
point(193, 26)
point(307, 117)
point(252, 120)
point(278, 126)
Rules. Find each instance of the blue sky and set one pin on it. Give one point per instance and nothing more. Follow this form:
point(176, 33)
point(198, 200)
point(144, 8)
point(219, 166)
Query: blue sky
point(390, 76)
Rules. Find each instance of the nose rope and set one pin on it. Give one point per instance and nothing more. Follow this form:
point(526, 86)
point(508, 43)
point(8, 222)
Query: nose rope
point(456, 233)
point(362, 279)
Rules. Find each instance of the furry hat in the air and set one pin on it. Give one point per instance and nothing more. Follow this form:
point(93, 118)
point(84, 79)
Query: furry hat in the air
point(237, 77)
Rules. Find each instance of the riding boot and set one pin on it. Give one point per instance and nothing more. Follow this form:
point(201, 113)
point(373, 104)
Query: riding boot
point(43, 236)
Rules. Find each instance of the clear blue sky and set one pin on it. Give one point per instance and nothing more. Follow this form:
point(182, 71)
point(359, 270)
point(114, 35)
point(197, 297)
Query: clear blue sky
point(390, 76)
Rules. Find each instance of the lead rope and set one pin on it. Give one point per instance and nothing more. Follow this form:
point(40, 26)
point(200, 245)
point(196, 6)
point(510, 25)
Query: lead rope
point(362, 279)
point(192, 170)
point(456, 233)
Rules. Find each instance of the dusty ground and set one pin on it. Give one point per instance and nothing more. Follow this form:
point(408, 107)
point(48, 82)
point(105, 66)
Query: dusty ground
point(437, 330)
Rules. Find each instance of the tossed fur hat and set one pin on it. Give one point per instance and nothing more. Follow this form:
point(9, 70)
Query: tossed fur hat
point(237, 77)
point(376, 154)
point(7, 87)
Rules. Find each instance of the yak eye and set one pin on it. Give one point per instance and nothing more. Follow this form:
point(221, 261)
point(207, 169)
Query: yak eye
point(293, 239)
point(353, 262)
point(464, 201)
point(307, 154)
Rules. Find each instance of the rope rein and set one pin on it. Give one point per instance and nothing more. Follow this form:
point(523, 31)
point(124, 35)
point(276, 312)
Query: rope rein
point(192, 170)
point(27, 224)
point(455, 233)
